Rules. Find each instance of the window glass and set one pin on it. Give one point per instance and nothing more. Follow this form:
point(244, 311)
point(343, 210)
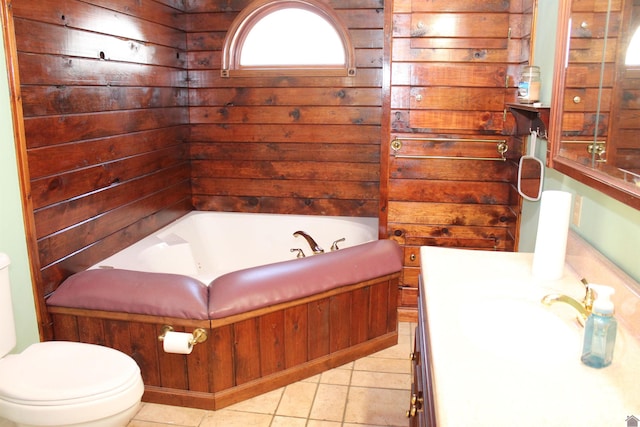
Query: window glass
point(288, 38)
point(292, 37)
point(633, 51)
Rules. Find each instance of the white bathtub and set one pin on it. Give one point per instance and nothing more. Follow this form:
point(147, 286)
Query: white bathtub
point(205, 245)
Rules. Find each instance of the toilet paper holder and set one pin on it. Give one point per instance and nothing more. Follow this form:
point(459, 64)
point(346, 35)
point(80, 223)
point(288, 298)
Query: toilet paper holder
point(199, 334)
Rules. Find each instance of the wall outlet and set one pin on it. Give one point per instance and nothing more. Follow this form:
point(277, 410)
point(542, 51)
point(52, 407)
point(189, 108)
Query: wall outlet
point(577, 210)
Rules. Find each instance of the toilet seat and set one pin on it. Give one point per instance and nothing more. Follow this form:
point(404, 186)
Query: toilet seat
point(64, 383)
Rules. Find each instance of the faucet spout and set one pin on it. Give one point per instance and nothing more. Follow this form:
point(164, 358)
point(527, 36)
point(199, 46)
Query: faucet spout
point(584, 308)
point(312, 243)
point(583, 311)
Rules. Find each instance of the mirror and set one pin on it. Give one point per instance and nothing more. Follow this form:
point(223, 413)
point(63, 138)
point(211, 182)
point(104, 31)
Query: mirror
point(595, 113)
point(530, 172)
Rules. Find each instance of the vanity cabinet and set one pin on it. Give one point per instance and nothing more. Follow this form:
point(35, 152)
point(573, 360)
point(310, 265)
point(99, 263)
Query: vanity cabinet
point(416, 413)
point(483, 335)
point(421, 409)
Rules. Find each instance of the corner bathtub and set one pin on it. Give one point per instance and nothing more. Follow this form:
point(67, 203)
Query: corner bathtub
point(206, 245)
point(270, 319)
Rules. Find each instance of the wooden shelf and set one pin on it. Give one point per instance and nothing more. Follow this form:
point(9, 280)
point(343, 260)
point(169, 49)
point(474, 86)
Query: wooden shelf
point(530, 118)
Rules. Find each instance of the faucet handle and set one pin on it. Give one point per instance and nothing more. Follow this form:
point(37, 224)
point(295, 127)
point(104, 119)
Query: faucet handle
point(589, 297)
point(334, 246)
point(300, 252)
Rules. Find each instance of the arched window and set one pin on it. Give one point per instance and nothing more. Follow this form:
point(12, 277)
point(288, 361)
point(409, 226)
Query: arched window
point(287, 37)
point(633, 50)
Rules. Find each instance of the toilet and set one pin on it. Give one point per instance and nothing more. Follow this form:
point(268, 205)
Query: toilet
point(61, 383)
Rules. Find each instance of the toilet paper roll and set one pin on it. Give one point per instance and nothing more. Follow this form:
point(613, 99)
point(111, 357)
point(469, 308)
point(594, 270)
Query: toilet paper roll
point(551, 239)
point(177, 342)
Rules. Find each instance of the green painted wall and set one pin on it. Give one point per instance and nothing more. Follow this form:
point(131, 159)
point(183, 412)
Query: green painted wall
point(610, 226)
point(543, 57)
point(12, 234)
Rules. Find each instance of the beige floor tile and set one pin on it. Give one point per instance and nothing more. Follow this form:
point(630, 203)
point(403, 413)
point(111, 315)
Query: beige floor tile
point(383, 407)
point(263, 404)
point(361, 425)
point(329, 403)
point(230, 418)
point(398, 351)
point(175, 415)
point(405, 328)
point(279, 421)
point(313, 379)
point(336, 376)
point(297, 400)
point(136, 423)
point(381, 379)
point(321, 423)
point(346, 366)
point(379, 364)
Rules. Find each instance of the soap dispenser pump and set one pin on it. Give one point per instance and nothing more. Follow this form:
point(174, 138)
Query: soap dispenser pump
point(600, 330)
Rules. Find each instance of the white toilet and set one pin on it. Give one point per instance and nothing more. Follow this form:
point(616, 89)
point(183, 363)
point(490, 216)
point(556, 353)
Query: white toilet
point(60, 383)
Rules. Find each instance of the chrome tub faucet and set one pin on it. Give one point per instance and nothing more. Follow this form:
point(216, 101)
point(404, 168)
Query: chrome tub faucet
point(334, 246)
point(312, 243)
point(299, 252)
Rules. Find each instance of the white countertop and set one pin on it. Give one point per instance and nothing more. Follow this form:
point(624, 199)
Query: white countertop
point(501, 358)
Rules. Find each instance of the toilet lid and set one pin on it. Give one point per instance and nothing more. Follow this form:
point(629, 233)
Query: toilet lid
point(56, 372)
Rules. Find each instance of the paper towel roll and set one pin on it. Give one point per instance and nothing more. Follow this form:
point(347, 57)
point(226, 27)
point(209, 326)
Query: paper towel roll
point(551, 238)
point(177, 342)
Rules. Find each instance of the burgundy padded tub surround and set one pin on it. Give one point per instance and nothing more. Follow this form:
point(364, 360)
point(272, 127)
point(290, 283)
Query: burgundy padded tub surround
point(139, 292)
point(267, 326)
point(173, 295)
point(259, 287)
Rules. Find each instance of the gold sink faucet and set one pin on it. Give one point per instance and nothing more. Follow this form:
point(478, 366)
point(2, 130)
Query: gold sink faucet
point(584, 308)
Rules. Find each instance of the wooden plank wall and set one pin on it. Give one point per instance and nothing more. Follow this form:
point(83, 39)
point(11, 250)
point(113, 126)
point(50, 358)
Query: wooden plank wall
point(305, 145)
point(125, 114)
point(104, 91)
point(454, 65)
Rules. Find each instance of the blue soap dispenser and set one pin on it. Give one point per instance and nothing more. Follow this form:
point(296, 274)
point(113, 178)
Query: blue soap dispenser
point(600, 330)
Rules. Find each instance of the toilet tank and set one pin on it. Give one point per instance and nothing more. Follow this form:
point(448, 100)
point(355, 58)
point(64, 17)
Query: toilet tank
point(7, 324)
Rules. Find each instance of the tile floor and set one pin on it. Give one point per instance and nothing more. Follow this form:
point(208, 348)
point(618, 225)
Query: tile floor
point(370, 392)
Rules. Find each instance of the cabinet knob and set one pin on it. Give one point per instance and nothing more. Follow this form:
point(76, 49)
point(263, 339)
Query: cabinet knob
point(412, 257)
point(577, 100)
point(412, 411)
point(416, 405)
